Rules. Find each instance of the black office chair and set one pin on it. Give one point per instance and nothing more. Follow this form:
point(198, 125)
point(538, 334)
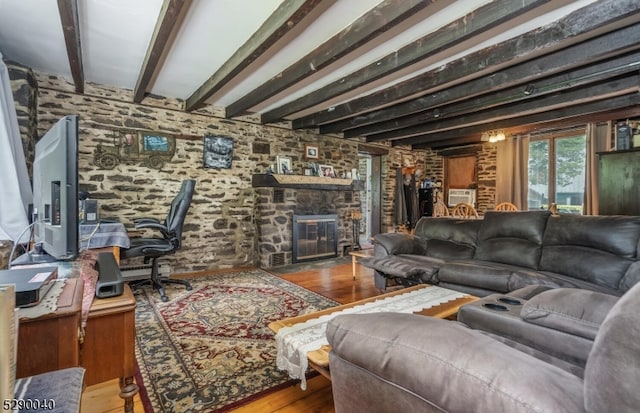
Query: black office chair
point(153, 248)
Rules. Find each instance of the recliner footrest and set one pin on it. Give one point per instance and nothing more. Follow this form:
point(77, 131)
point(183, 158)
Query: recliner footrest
point(395, 266)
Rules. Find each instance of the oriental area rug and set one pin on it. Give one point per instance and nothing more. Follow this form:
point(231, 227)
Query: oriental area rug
point(209, 349)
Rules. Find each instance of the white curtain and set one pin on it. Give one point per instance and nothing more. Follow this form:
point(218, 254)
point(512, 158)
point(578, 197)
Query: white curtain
point(15, 189)
point(512, 157)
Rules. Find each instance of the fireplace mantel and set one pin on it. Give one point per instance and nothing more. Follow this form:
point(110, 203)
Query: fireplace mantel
point(306, 182)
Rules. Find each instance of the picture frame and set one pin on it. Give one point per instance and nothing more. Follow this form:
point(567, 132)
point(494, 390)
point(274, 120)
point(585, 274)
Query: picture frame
point(307, 171)
point(311, 152)
point(284, 165)
point(217, 152)
point(327, 171)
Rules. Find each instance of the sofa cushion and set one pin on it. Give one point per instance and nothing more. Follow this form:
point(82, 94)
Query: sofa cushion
point(490, 275)
point(513, 238)
point(596, 249)
point(575, 311)
point(448, 238)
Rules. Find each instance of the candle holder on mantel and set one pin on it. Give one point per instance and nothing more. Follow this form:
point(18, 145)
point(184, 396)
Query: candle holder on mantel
point(356, 216)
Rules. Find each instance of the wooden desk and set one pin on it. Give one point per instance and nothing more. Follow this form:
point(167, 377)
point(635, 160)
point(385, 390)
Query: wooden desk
point(108, 350)
point(52, 341)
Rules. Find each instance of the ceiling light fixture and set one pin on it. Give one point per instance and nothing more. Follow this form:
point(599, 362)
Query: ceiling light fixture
point(493, 136)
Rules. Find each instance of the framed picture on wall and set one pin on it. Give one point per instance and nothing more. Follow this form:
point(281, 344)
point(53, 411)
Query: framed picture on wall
point(311, 152)
point(284, 165)
point(218, 152)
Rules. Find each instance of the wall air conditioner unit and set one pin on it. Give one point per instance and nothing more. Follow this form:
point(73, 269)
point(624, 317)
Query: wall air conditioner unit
point(457, 196)
point(143, 271)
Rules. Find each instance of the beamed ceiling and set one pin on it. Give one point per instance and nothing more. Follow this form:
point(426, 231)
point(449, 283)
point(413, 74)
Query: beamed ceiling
point(429, 74)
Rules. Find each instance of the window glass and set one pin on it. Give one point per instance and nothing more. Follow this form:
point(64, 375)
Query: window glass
point(570, 174)
point(538, 197)
point(557, 173)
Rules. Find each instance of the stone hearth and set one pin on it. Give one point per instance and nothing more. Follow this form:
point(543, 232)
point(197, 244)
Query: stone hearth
point(276, 203)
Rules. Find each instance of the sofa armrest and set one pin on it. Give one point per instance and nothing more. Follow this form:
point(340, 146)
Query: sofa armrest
point(571, 310)
point(631, 277)
point(443, 363)
point(397, 243)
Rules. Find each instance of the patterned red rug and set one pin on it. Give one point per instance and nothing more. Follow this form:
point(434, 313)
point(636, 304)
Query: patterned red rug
point(209, 349)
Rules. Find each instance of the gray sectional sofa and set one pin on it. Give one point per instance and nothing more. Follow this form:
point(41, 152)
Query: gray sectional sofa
point(557, 328)
point(506, 251)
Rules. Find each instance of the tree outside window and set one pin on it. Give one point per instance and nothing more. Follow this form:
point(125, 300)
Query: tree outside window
point(557, 173)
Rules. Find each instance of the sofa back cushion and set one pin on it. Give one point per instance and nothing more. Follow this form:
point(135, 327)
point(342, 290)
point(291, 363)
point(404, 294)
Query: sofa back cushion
point(596, 249)
point(513, 238)
point(448, 238)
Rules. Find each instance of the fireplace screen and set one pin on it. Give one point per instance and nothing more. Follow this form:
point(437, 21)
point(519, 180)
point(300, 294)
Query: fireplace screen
point(314, 237)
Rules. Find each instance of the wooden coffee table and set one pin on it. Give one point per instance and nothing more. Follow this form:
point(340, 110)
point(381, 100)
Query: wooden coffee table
point(319, 359)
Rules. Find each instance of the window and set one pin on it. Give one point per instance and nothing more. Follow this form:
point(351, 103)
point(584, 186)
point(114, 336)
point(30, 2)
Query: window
point(557, 172)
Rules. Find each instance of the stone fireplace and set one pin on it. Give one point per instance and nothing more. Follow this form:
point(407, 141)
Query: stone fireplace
point(280, 198)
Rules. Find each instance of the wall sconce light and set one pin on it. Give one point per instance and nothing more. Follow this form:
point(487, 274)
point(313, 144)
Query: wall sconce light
point(493, 136)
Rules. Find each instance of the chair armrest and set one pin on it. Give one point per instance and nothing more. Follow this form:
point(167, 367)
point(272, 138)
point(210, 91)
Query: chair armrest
point(146, 219)
point(396, 243)
point(445, 363)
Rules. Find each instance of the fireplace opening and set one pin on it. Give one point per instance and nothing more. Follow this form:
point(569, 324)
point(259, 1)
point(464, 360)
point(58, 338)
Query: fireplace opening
point(315, 237)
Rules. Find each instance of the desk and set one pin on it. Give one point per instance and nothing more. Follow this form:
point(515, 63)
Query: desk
point(52, 341)
point(108, 350)
point(104, 234)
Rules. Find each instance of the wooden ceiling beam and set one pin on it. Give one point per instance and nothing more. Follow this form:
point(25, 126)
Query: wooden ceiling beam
point(517, 50)
point(163, 34)
point(565, 114)
point(380, 19)
point(604, 47)
point(473, 24)
point(68, 10)
point(284, 19)
point(532, 92)
point(614, 87)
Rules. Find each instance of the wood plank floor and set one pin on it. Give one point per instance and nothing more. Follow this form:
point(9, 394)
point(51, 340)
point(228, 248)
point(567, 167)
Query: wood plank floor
point(335, 282)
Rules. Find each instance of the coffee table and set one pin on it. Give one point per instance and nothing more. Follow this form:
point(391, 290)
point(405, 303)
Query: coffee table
point(318, 359)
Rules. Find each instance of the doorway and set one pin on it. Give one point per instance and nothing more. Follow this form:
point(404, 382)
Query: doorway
point(369, 167)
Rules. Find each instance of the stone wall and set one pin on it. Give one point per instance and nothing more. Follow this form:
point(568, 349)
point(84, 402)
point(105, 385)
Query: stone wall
point(220, 229)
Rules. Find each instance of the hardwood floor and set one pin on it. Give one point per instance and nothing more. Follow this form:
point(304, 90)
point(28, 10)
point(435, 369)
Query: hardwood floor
point(335, 282)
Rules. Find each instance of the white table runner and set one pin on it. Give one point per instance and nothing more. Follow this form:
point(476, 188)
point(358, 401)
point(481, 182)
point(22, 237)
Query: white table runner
point(294, 342)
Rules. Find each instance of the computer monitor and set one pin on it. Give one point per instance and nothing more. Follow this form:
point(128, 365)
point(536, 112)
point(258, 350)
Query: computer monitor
point(55, 191)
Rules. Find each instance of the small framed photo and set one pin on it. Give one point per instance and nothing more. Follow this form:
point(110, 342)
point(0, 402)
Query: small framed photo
point(327, 171)
point(311, 152)
point(284, 165)
point(218, 152)
point(308, 171)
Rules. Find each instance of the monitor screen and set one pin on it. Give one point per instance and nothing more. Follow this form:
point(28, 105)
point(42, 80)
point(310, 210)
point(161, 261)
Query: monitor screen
point(55, 190)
